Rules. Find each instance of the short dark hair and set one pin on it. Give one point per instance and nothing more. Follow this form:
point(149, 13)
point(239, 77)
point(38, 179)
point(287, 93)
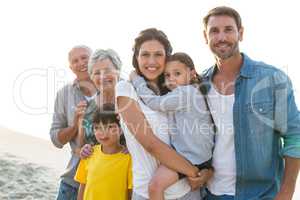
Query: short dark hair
point(223, 11)
point(106, 114)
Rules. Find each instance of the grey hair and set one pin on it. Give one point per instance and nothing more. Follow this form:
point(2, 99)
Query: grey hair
point(102, 54)
point(80, 47)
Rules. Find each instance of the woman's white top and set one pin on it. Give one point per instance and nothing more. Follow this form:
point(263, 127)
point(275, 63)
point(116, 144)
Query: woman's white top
point(143, 163)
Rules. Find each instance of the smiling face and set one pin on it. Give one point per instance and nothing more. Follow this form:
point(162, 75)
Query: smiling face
point(104, 74)
point(223, 36)
point(107, 134)
point(78, 60)
point(151, 59)
point(177, 74)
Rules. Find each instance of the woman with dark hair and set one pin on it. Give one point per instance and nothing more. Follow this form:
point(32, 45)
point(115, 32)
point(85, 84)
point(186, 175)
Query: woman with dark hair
point(146, 130)
point(191, 125)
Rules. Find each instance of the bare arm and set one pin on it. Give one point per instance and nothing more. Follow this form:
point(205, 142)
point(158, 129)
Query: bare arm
point(144, 135)
point(81, 192)
point(67, 134)
point(287, 189)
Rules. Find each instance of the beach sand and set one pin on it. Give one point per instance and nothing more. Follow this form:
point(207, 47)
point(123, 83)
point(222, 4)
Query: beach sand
point(30, 167)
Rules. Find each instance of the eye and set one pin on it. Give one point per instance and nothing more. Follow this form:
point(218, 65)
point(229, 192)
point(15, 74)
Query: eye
point(167, 75)
point(75, 61)
point(96, 73)
point(159, 54)
point(145, 54)
point(177, 73)
point(213, 30)
point(95, 128)
point(84, 57)
point(228, 29)
point(111, 126)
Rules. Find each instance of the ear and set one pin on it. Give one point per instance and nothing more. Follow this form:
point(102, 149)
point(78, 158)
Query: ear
point(241, 33)
point(205, 36)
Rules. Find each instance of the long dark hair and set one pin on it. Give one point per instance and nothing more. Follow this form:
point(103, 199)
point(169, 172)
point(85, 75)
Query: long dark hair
point(147, 35)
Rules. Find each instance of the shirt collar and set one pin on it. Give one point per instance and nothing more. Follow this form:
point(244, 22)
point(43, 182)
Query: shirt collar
point(247, 69)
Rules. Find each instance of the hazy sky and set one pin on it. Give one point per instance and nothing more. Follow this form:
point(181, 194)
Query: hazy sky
point(37, 35)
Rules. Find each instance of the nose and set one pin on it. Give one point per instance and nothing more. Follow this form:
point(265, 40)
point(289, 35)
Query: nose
point(171, 79)
point(221, 36)
point(99, 132)
point(152, 60)
point(82, 62)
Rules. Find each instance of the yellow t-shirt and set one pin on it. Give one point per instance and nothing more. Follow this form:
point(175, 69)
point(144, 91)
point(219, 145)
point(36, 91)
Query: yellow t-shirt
point(106, 176)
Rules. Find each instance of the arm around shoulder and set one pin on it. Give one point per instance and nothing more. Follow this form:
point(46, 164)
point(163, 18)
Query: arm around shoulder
point(142, 131)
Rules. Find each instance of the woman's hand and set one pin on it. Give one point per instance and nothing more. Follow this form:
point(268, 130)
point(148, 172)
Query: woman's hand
point(86, 151)
point(203, 176)
point(133, 75)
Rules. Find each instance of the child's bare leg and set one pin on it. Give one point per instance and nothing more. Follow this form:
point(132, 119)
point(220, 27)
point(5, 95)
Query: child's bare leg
point(162, 179)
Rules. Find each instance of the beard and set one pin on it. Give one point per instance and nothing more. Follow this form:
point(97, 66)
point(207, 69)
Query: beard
point(233, 48)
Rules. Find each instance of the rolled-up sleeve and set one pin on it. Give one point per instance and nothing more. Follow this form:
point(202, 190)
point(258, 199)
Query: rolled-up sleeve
point(287, 115)
point(59, 119)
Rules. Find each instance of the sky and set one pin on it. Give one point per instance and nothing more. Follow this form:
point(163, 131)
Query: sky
point(37, 35)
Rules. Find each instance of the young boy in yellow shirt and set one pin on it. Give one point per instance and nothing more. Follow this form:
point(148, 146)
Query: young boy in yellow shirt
point(106, 174)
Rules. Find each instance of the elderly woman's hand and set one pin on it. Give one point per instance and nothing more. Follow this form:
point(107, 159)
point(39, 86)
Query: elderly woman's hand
point(133, 75)
point(203, 176)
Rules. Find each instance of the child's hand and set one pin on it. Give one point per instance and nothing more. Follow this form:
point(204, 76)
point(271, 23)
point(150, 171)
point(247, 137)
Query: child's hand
point(125, 150)
point(86, 151)
point(133, 75)
point(203, 176)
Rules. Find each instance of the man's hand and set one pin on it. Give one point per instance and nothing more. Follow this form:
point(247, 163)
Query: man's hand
point(86, 151)
point(289, 179)
point(79, 113)
point(284, 196)
point(203, 176)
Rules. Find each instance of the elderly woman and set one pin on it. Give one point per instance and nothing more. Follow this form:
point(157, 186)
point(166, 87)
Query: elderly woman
point(103, 67)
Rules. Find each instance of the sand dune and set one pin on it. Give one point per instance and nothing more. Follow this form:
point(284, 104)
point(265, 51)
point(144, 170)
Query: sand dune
point(30, 167)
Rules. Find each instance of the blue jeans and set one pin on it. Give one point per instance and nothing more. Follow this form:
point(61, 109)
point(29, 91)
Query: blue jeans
point(67, 192)
point(211, 196)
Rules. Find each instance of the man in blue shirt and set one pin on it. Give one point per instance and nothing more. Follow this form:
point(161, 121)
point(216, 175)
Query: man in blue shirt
point(257, 147)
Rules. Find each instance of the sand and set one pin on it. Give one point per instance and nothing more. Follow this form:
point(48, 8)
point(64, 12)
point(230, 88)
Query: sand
point(30, 167)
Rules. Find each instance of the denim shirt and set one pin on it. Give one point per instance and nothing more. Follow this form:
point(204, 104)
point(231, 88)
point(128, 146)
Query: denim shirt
point(266, 126)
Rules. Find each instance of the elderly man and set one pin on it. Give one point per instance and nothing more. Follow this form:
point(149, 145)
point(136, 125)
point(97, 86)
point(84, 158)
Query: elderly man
point(257, 146)
point(70, 105)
